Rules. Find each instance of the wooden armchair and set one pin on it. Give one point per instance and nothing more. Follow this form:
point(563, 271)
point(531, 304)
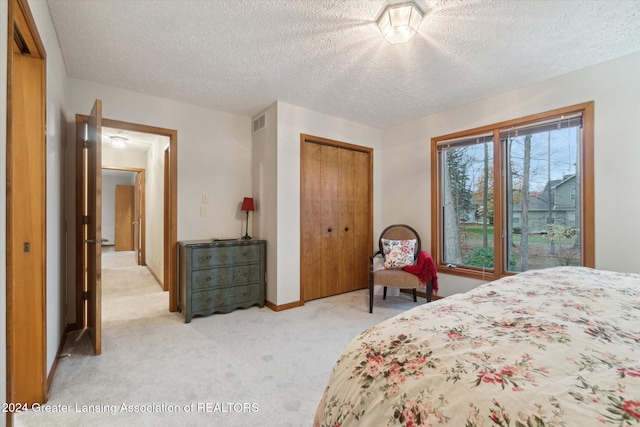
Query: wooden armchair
point(396, 240)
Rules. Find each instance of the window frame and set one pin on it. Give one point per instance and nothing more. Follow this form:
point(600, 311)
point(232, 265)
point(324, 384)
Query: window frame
point(586, 192)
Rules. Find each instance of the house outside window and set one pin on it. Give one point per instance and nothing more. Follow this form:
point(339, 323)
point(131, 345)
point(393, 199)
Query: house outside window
point(538, 213)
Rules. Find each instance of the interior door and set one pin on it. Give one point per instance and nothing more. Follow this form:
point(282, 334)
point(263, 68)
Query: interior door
point(92, 176)
point(26, 209)
point(353, 219)
point(319, 225)
point(125, 218)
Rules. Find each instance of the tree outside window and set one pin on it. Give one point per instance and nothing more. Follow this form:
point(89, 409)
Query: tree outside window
point(534, 215)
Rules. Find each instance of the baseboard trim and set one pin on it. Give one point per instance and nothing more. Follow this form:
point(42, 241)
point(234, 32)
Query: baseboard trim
point(157, 279)
point(295, 304)
point(282, 307)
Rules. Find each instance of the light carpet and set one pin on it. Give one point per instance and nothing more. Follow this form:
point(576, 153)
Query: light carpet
point(251, 367)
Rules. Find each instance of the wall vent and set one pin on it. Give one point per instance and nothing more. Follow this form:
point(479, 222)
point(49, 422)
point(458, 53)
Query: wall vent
point(260, 122)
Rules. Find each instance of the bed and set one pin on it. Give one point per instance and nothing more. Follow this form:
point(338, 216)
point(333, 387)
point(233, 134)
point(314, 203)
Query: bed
point(553, 347)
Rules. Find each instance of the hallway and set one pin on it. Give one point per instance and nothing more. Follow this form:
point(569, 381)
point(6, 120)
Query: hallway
point(129, 291)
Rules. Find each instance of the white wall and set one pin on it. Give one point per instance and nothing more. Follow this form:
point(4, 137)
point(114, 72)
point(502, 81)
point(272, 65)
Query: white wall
point(293, 121)
point(265, 189)
point(56, 194)
point(110, 179)
point(116, 158)
point(615, 88)
point(4, 16)
point(214, 152)
point(154, 208)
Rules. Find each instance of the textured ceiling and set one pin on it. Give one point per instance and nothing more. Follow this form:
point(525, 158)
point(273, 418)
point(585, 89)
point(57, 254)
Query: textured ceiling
point(240, 56)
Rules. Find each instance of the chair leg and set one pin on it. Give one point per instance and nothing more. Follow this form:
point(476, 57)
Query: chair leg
point(415, 295)
point(370, 297)
point(384, 293)
point(429, 290)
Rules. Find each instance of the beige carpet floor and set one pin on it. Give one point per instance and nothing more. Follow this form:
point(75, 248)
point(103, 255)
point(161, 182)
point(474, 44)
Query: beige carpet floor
point(251, 367)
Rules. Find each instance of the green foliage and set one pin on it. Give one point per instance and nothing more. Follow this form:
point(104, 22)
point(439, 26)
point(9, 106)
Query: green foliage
point(484, 258)
point(477, 230)
point(557, 232)
point(480, 257)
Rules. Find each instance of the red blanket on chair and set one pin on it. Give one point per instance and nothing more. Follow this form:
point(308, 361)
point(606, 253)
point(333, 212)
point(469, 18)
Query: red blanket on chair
point(425, 269)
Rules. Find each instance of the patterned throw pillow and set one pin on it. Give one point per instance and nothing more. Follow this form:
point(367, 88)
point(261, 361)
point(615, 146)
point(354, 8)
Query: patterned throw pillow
point(398, 253)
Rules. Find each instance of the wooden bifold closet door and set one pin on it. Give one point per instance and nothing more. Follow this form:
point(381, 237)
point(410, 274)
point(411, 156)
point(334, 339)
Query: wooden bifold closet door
point(26, 209)
point(336, 217)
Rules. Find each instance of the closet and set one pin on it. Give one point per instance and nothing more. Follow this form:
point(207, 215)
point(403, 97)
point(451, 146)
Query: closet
point(336, 217)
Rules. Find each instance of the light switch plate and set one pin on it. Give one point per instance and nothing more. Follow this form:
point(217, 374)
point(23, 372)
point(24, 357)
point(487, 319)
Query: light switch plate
point(203, 211)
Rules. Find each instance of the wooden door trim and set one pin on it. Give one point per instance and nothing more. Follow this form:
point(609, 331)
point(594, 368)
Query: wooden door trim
point(24, 40)
point(305, 138)
point(167, 218)
point(333, 143)
point(171, 256)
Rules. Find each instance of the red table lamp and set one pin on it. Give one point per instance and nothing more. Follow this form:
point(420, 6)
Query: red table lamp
point(247, 205)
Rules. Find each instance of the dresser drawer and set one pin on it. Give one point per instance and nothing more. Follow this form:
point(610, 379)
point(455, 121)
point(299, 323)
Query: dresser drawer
point(225, 298)
point(220, 256)
point(211, 257)
point(225, 276)
point(248, 254)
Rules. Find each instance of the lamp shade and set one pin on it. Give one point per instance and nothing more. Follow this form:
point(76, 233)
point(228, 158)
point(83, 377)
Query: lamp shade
point(247, 204)
point(399, 23)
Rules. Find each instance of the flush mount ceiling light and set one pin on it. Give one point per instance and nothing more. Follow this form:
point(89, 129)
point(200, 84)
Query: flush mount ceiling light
point(118, 141)
point(400, 22)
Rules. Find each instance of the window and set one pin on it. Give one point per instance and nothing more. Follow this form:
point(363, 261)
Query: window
point(515, 196)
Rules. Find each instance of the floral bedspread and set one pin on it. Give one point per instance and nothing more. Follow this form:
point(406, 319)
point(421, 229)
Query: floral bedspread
point(554, 347)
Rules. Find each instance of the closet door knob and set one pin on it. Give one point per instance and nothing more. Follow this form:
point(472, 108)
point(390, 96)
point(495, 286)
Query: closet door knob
point(346, 229)
point(329, 229)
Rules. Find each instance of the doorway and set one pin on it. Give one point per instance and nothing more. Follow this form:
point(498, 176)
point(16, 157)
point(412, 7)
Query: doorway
point(167, 212)
point(124, 217)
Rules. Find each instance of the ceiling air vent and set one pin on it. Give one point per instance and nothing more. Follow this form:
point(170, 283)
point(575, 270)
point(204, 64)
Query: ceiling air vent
point(259, 122)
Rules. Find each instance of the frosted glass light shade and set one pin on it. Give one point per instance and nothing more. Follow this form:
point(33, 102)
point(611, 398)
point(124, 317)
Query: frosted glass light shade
point(399, 23)
point(118, 141)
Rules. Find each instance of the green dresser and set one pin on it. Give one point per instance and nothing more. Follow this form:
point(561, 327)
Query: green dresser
point(220, 276)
